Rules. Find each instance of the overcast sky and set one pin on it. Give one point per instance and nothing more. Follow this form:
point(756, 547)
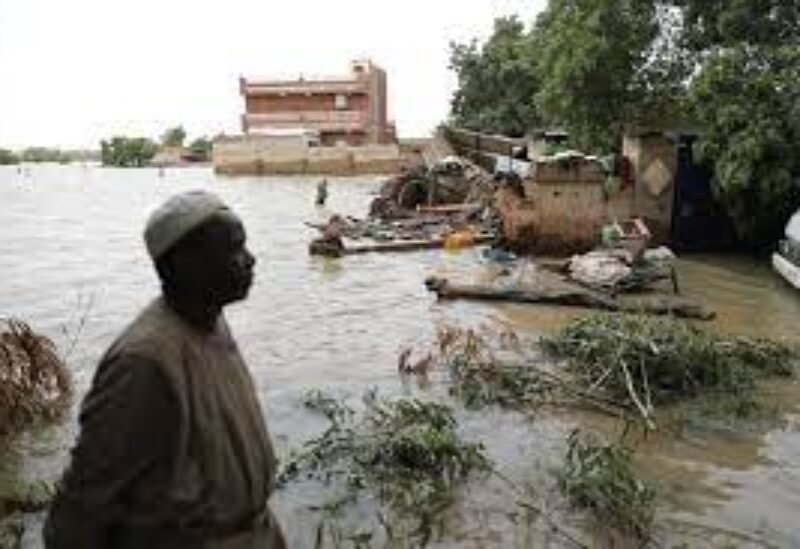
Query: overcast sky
point(75, 71)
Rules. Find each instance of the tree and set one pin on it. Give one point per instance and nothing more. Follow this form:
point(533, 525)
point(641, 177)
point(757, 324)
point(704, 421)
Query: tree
point(8, 157)
point(606, 65)
point(716, 25)
point(593, 67)
point(127, 152)
point(174, 137)
point(746, 97)
point(496, 82)
point(599, 68)
point(43, 154)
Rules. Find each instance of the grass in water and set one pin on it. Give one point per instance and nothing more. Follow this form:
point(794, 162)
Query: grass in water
point(494, 367)
point(407, 452)
point(643, 361)
point(489, 367)
point(598, 477)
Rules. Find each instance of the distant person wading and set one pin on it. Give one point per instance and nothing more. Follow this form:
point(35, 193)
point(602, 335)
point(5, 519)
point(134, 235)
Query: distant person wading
point(322, 192)
point(173, 450)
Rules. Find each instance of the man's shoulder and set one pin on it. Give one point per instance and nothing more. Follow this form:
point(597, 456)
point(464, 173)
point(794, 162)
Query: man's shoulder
point(156, 334)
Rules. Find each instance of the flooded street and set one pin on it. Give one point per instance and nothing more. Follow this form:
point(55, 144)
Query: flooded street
point(74, 266)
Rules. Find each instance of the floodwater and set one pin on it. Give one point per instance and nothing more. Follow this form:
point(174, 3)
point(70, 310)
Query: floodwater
point(74, 266)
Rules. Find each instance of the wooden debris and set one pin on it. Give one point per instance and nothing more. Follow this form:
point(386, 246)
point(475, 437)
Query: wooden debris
point(450, 208)
point(576, 297)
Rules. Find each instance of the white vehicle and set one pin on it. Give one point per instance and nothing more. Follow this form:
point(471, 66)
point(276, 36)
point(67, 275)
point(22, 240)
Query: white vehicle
point(787, 259)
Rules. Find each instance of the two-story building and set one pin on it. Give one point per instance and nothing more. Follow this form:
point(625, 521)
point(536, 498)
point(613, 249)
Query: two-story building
point(349, 109)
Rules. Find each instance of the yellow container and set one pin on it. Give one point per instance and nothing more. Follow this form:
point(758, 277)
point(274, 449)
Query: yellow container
point(458, 240)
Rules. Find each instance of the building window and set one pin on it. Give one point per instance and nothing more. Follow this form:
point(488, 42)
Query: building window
point(340, 102)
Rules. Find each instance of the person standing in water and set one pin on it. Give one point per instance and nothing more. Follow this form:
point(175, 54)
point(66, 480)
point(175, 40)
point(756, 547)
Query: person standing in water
point(173, 450)
point(322, 192)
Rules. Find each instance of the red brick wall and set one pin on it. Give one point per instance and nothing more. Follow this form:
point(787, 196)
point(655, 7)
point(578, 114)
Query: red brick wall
point(261, 104)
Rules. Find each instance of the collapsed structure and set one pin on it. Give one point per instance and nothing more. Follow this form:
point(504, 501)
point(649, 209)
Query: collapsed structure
point(565, 198)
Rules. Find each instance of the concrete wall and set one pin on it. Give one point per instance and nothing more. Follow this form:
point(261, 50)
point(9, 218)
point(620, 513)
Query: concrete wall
point(465, 142)
point(252, 155)
point(563, 208)
point(654, 161)
point(570, 214)
point(565, 203)
point(569, 197)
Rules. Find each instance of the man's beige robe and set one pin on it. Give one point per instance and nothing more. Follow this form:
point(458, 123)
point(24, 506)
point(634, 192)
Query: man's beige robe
point(173, 449)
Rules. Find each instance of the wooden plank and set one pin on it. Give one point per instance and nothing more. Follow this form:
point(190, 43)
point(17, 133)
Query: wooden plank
point(449, 208)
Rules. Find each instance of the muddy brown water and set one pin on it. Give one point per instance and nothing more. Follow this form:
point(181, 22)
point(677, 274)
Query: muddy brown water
point(74, 266)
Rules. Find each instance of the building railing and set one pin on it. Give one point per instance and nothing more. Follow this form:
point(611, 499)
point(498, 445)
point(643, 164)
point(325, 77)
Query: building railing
point(295, 117)
point(303, 87)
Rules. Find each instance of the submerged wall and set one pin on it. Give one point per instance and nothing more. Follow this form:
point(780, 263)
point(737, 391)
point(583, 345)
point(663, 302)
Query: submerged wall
point(561, 209)
point(257, 155)
point(654, 161)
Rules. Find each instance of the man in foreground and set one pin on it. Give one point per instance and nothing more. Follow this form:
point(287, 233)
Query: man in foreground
point(173, 450)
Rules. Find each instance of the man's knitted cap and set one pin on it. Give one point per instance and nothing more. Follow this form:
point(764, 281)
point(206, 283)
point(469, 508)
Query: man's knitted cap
point(177, 217)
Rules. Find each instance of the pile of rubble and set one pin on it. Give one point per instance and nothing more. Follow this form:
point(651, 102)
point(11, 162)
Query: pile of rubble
point(454, 228)
point(447, 205)
point(452, 180)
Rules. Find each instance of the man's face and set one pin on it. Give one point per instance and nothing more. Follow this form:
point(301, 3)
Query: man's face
point(215, 261)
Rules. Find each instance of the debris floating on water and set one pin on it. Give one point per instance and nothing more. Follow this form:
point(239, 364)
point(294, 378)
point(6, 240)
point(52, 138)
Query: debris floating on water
point(599, 477)
point(569, 296)
point(406, 452)
point(646, 361)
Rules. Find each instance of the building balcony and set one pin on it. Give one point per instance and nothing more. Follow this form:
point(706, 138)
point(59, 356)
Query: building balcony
point(319, 120)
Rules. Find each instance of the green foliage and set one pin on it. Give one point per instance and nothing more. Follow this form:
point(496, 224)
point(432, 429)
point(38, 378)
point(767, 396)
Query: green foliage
point(599, 477)
point(644, 360)
point(621, 365)
point(747, 99)
point(602, 69)
point(598, 68)
point(593, 67)
point(8, 157)
point(406, 451)
point(173, 137)
point(714, 25)
point(496, 82)
point(43, 154)
point(490, 368)
point(200, 149)
point(127, 152)
point(665, 358)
